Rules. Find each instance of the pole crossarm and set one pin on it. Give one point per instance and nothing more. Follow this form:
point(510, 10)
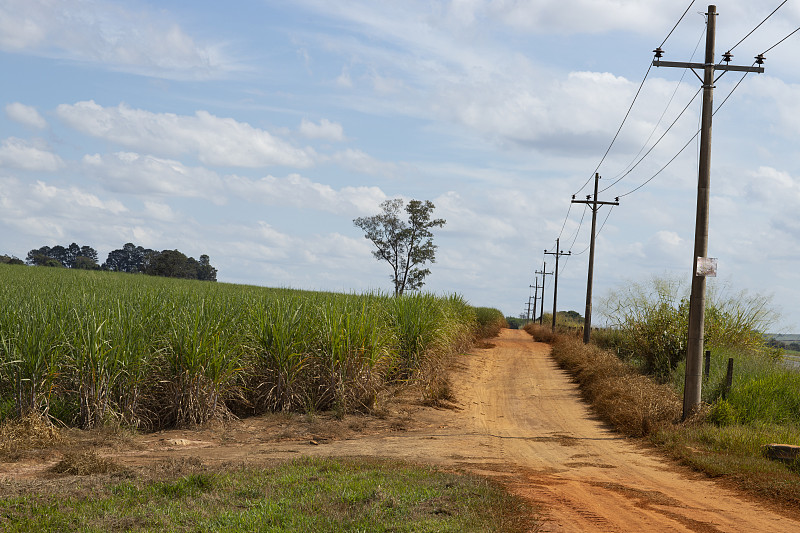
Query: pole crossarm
point(702, 66)
point(593, 203)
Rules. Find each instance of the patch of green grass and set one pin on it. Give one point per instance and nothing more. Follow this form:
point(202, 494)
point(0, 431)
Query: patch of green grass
point(735, 452)
point(318, 495)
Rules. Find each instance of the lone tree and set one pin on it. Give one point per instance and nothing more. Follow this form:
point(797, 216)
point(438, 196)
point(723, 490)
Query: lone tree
point(406, 246)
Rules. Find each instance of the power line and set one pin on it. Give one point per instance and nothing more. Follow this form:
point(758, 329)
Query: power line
point(639, 90)
point(580, 224)
point(779, 42)
point(676, 24)
point(603, 225)
point(758, 26)
point(656, 143)
point(691, 139)
point(661, 118)
point(636, 96)
point(577, 231)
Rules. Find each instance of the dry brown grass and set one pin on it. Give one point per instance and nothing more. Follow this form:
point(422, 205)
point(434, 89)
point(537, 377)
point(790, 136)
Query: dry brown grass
point(540, 333)
point(30, 432)
point(631, 402)
point(84, 464)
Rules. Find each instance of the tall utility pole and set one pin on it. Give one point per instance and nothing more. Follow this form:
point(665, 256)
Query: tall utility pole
point(544, 273)
point(535, 296)
point(697, 300)
point(557, 253)
point(594, 204)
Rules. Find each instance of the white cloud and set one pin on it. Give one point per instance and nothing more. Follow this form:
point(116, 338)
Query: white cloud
point(301, 192)
point(144, 175)
point(74, 198)
point(325, 130)
point(773, 188)
point(344, 80)
point(358, 161)
point(159, 211)
point(465, 220)
point(106, 33)
point(26, 155)
point(785, 100)
point(26, 115)
point(584, 16)
point(215, 141)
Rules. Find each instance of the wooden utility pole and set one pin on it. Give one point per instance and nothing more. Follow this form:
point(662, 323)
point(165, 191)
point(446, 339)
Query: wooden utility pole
point(697, 300)
point(544, 273)
point(535, 296)
point(594, 204)
point(557, 253)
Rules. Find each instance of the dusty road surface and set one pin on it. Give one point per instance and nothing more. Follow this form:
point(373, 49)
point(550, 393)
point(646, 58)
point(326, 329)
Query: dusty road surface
point(518, 419)
point(522, 420)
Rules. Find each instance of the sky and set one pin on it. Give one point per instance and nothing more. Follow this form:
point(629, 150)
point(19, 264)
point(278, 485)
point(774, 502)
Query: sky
point(256, 131)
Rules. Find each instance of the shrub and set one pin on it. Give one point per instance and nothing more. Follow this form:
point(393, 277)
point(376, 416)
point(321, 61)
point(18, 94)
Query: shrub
point(652, 322)
point(490, 322)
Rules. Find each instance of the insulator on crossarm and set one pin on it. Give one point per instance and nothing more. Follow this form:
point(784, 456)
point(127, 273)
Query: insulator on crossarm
point(658, 52)
point(760, 59)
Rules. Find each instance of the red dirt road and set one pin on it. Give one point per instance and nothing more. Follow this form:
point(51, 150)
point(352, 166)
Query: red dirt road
point(523, 420)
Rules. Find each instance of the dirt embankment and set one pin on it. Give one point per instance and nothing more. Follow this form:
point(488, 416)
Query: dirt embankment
point(518, 419)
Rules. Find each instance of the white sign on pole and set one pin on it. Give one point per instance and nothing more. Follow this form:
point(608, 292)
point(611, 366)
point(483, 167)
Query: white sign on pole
point(707, 267)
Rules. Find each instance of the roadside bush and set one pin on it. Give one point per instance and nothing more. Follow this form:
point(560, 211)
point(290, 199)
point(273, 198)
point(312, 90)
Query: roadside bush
point(652, 322)
point(490, 322)
point(540, 333)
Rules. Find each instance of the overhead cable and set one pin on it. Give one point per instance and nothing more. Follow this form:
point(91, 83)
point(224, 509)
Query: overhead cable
point(666, 108)
point(688, 142)
point(598, 231)
point(758, 26)
point(633, 102)
point(779, 42)
point(676, 25)
point(656, 143)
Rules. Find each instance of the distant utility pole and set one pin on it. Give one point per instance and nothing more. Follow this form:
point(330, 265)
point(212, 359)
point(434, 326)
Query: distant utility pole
point(544, 273)
point(557, 253)
point(594, 205)
point(697, 301)
point(528, 314)
point(535, 296)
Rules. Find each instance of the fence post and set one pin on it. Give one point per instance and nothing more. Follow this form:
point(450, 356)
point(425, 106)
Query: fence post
point(707, 366)
point(728, 380)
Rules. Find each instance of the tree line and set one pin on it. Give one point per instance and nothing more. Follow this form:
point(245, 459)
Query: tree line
point(130, 258)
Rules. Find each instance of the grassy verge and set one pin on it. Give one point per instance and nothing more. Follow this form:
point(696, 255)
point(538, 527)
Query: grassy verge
point(304, 495)
point(724, 441)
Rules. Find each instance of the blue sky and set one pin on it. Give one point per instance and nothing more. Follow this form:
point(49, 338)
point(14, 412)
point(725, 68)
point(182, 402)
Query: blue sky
point(256, 131)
